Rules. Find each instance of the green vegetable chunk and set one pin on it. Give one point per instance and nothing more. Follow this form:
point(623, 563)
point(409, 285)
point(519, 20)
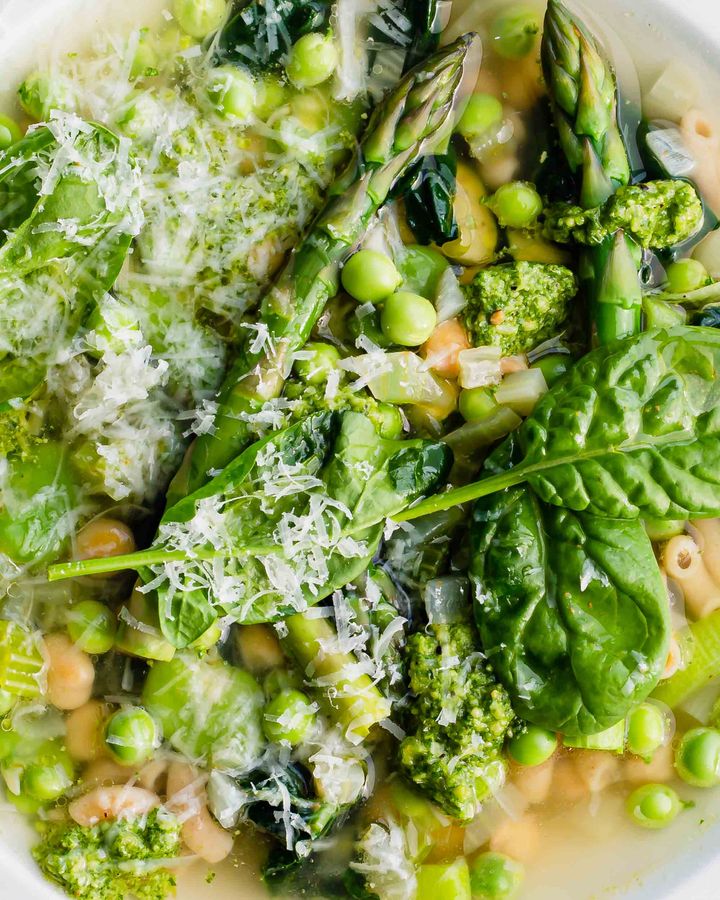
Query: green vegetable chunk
point(516, 306)
point(514, 31)
point(289, 717)
point(91, 625)
point(571, 609)
point(210, 711)
point(686, 275)
point(21, 660)
point(655, 214)
point(112, 860)
point(407, 319)
point(646, 730)
point(457, 719)
point(199, 18)
point(370, 276)
point(444, 881)
point(481, 113)
point(494, 876)
point(313, 59)
point(516, 204)
point(318, 361)
point(39, 771)
point(697, 758)
point(131, 735)
point(653, 805)
point(532, 746)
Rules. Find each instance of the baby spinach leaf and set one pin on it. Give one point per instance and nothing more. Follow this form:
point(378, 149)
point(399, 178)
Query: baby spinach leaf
point(633, 430)
point(294, 517)
point(571, 608)
point(429, 192)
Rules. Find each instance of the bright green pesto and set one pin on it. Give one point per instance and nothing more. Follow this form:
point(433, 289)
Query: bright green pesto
point(516, 306)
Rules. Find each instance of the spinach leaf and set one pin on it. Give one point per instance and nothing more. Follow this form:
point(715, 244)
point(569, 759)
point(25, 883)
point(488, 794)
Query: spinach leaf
point(18, 178)
point(67, 252)
point(429, 192)
point(261, 34)
point(296, 516)
point(708, 317)
point(633, 430)
point(571, 609)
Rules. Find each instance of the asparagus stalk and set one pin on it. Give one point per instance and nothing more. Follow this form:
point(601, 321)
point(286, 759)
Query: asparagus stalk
point(583, 92)
point(411, 123)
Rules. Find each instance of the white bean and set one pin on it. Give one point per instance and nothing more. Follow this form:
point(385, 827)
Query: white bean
point(517, 838)
point(535, 782)
point(115, 802)
point(70, 673)
point(186, 797)
point(83, 739)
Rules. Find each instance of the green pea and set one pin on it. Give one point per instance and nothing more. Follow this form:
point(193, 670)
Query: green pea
point(369, 276)
point(476, 403)
point(391, 424)
point(10, 132)
point(697, 758)
point(289, 716)
point(311, 109)
point(91, 625)
point(646, 730)
point(444, 881)
point(407, 319)
point(46, 782)
point(145, 62)
point(653, 805)
point(131, 735)
point(199, 18)
point(279, 680)
point(421, 269)
point(686, 275)
point(513, 32)
point(516, 205)
point(271, 95)
point(553, 366)
point(663, 529)
point(232, 92)
point(208, 638)
point(482, 112)
point(494, 876)
point(313, 59)
point(532, 746)
point(317, 368)
point(39, 95)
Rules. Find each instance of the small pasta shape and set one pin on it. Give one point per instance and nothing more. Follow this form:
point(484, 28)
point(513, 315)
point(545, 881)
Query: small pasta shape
point(701, 138)
point(684, 563)
point(518, 838)
point(535, 782)
point(709, 531)
point(82, 731)
point(70, 673)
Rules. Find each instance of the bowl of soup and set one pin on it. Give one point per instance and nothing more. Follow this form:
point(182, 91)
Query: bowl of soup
point(359, 530)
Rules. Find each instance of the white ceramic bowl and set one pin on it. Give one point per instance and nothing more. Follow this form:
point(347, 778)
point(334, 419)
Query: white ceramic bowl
point(587, 857)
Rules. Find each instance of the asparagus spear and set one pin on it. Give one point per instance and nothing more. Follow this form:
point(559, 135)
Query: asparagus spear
point(583, 93)
point(412, 122)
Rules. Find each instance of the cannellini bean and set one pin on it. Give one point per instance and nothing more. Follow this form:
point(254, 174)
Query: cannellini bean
point(598, 769)
point(535, 782)
point(153, 775)
point(105, 772)
point(115, 802)
point(186, 797)
point(684, 563)
point(83, 739)
point(442, 349)
point(70, 673)
point(517, 838)
point(660, 768)
point(259, 647)
point(104, 537)
point(568, 786)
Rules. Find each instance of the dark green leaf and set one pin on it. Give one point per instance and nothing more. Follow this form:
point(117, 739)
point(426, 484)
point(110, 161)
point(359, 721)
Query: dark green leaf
point(429, 192)
point(261, 34)
point(708, 317)
point(572, 610)
point(632, 431)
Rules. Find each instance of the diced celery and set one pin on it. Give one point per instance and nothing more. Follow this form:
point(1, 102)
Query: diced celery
point(612, 738)
point(522, 390)
point(701, 641)
point(21, 660)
